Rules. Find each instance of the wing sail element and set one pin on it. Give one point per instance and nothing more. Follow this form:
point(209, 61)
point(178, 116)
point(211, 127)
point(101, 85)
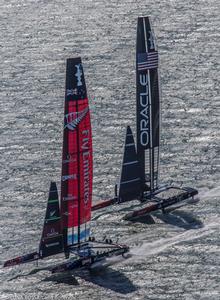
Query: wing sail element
point(130, 181)
point(76, 181)
point(148, 103)
point(52, 238)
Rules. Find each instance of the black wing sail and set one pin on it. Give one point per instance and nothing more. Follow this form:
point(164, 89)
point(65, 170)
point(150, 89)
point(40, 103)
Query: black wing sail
point(130, 181)
point(52, 238)
point(148, 104)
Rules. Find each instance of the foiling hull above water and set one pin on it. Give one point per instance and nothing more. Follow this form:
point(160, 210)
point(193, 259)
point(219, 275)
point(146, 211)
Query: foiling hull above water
point(98, 256)
point(140, 166)
point(170, 197)
point(167, 196)
point(84, 257)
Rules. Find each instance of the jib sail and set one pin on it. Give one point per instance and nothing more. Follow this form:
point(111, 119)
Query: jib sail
point(148, 103)
point(76, 181)
point(52, 238)
point(130, 181)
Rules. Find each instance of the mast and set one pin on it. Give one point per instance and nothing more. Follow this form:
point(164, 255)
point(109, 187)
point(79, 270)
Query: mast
point(148, 105)
point(76, 180)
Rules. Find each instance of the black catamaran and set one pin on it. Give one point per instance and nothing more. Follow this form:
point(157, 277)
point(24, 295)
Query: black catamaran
point(67, 223)
point(140, 167)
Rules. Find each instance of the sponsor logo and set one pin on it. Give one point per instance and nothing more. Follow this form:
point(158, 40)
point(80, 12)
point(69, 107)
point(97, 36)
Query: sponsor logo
point(71, 92)
point(151, 40)
point(74, 206)
point(144, 111)
point(74, 94)
point(69, 198)
point(52, 213)
point(78, 74)
point(86, 165)
point(69, 158)
point(66, 213)
point(72, 120)
point(67, 177)
point(52, 245)
point(52, 233)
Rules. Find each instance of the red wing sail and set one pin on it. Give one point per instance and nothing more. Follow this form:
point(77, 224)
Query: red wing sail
point(52, 238)
point(76, 181)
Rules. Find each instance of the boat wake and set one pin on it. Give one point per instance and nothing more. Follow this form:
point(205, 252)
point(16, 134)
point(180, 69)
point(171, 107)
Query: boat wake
point(109, 262)
point(141, 251)
point(215, 192)
point(152, 248)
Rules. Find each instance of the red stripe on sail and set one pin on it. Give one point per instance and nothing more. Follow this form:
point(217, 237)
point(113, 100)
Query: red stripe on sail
point(76, 183)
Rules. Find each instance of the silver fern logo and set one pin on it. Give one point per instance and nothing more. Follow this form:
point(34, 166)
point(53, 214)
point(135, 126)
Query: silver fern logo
point(72, 120)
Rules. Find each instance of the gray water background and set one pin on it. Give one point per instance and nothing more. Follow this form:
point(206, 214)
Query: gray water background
point(179, 256)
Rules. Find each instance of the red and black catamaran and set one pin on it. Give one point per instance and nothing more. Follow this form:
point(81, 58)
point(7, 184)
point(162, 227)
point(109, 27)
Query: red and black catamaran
point(67, 222)
point(140, 167)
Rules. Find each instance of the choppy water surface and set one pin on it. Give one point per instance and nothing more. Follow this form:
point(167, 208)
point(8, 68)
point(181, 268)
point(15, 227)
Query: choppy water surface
point(178, 257)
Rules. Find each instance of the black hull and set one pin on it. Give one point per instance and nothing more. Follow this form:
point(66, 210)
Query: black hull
point(89, 261)
point(185, 193)
point(161, 203)
point(22, 259)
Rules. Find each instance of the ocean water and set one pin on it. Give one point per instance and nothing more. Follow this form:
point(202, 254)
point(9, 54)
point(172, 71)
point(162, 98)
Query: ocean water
point(177, 257)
